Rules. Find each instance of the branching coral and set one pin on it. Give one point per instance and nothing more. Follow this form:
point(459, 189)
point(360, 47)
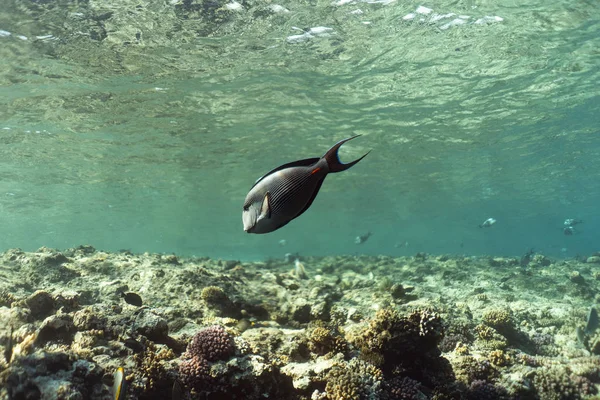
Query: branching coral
point(150, 362)
point(500, 358)
point(6, 298)
point(557, 383)
point(406, 346)
point(469, 369)
point(323, 340)
point(491, 339)
point(394, 338)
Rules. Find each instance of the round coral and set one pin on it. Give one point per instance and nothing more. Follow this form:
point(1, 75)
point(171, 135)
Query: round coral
point(355, 380)
point(482, 390)
point(499, 319)
point(214, 295)
point(194, 372)
point(403, 388)
point(212, 343)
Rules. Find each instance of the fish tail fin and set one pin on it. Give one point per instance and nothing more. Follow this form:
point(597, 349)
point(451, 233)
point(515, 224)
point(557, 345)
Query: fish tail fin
point(333, 160)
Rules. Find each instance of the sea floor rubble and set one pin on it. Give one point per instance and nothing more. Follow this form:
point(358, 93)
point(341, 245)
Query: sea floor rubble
point(341, 327)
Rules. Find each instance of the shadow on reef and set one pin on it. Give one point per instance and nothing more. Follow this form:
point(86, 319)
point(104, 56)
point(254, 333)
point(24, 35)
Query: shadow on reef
point(227, 330)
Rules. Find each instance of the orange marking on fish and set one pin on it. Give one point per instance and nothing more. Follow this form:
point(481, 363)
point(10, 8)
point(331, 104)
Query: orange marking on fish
point(314, 171)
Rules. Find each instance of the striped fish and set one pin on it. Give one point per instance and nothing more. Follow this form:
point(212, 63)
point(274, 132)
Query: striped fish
point(289, 190)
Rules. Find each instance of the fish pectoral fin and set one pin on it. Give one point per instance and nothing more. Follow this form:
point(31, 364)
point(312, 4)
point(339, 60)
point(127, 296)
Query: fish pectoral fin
point(265, 210)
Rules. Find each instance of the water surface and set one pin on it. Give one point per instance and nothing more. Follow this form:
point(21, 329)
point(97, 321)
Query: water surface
point(142, 125)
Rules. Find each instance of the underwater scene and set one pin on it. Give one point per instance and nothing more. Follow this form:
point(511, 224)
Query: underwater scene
point(168, 229)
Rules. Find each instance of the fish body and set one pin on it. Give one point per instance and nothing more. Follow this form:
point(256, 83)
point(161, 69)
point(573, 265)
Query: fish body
point(592, 321)
point(362, 238)
point(119, 384)
point(401, 244)
point(132, 298)
point(487, 223)
point(288, 191)
point(8, 350)
point(572, 222)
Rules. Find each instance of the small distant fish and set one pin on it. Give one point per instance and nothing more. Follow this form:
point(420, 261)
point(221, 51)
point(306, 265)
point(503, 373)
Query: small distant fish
point(592, 321)
point(134, 345)
point(581, 337)
point(282, 242)
point(568, 230)
point(487, 223)
point(120, 384)
point(362, 238)
point(401, 244)
point(8, 349)
point(132, 298)
point(286, 192)
point(572, 222)
point(299, 270)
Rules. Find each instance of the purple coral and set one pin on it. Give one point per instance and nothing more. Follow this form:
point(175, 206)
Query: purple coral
point(403, 388)
point(482, 390)
point(194, 372)
point(209, 344)
point(212, 343)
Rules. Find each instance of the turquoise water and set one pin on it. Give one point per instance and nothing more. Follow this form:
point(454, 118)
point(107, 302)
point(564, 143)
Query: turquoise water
point(142, 125)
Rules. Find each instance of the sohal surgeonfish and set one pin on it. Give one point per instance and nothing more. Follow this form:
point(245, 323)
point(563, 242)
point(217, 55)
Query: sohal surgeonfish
point(120, 384)
point(288, 191)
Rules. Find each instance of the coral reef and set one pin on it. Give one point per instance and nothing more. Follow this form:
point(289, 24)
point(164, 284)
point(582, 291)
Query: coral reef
point(250, 330)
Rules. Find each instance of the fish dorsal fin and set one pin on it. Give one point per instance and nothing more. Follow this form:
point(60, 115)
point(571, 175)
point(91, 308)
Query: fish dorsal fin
point(265, 210)
point(300, 163)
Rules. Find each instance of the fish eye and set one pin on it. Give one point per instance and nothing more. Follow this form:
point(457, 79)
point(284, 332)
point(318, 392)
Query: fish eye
point(246, 207)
